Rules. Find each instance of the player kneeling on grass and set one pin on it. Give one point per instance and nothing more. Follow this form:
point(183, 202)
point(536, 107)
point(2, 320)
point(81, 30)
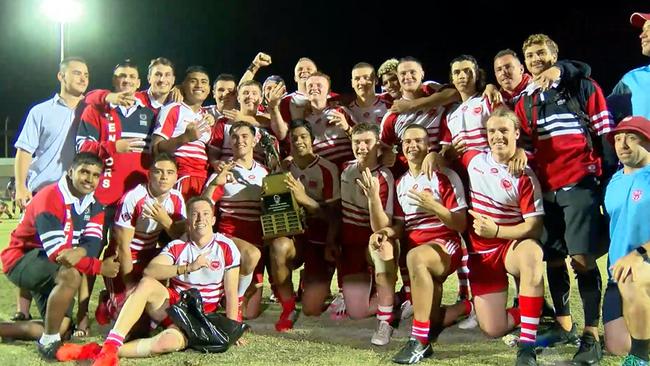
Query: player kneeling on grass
point(314, 182)
point(626, 308)
point(206, 261)
point(142, 216)
point(367, 194)
point(57, 240)
point(431, 212)
point(507, 222)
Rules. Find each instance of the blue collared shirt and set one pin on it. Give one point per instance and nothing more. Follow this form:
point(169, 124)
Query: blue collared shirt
point(49, 135)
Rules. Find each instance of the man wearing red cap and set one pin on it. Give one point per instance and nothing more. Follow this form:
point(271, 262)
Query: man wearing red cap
point(626, 308)
point(631, 96)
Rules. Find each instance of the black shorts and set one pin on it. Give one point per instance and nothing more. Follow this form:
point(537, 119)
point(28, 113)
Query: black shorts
point(573, 223)
point(36, 273)
point(612, 303)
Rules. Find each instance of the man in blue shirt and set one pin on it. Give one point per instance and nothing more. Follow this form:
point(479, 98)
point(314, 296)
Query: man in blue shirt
point(631, 96)
point(626, 309)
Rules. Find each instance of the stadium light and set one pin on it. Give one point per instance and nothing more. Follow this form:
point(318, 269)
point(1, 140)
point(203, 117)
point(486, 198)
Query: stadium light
point(62, 12)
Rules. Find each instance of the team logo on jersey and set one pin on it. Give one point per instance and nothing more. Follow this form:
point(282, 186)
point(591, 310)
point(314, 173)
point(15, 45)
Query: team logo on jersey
point(312, 184)
point(478, 110)
point(636, 195)
point(591, 168)
point(428, 190)
point(126, 216)
point(251, 177)
point(494, 170)
point(505, 184)
point(277, 199)
point(215, 265)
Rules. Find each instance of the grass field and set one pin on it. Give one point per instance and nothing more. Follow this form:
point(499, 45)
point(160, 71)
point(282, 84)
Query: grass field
point(318, 341)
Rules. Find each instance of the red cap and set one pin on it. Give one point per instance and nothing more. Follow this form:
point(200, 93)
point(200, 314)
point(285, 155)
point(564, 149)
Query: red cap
point(639, 19)
point(638, 124)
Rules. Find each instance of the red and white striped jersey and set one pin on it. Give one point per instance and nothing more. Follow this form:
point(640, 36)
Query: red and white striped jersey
point(467, 122)
point(356, 217)
point(321, 182)
point(221, 143)
point(423, 226)
point(494, 192)
point(292, 106)
point(221, 253)
point(130, 215)
point(372, 114)
point(212, 109)
point(239, 203)
point(191, 158)
point(331, 142)
point(394, 124)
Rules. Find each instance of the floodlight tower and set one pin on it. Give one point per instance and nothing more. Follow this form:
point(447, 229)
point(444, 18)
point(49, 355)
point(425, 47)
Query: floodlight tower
point(62, 12)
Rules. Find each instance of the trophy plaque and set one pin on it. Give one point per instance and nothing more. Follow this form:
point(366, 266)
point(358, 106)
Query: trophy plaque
point(281, 214)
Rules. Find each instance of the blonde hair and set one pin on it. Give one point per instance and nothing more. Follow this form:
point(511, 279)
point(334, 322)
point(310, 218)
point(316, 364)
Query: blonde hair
point(540, 39)
point(389, 66)
point(505, 112)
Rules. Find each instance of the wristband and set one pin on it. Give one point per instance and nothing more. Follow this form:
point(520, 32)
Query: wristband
point(252, 67)
point(497, 233)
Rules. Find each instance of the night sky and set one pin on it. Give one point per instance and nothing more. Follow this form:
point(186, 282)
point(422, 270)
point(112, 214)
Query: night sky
point(224, 36)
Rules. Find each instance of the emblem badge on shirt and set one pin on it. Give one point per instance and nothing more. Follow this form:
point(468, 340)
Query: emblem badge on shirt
point(478, 110)
point(312, 184)
point(215, 265)
point(505, 184)
point(143, 119)
point(636, 195)
point(251, 177)
point(494, 170)
point(591, 168)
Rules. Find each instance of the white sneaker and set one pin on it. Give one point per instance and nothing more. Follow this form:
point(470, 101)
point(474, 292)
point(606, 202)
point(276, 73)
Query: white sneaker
point(470, 322)
point(382, 335)
point(406, 310)
point(337, 307)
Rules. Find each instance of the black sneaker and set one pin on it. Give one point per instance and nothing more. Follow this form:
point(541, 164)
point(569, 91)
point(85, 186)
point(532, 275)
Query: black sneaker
point(590, 351)
point(526, 355)
point(413, 352)
point(48, 352)
point(555, 335)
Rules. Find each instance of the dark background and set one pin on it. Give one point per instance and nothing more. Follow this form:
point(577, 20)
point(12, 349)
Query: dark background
point(224, 36)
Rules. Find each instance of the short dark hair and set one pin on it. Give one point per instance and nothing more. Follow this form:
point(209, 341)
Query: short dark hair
point(63, 65)
point(163, 156)
point(365, 127)
point(196, 68)
point(195, 199)
point(479, 73)
point(126, 63)
point(417, 127)
point(409, 59)
point(296, 123)
point(87, 158)
point(239, 124)
point(506, 52)
point(224, 77)
point(160, 61)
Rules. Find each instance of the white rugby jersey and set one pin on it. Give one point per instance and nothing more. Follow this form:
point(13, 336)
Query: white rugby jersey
point(394, 124)
point(130, 215)
point(467, 122)
point(320, 178)
point(494, 192)
point(221, 141)
point(221, 253)
point(423, 226)
point(330, 142)
point(356, 217)
point(191, 158)
point(372, 114)
point(239, 202)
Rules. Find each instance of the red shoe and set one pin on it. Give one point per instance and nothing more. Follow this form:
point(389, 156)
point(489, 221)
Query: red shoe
point(107, 356)
point(102, 314)
point(75, 352)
